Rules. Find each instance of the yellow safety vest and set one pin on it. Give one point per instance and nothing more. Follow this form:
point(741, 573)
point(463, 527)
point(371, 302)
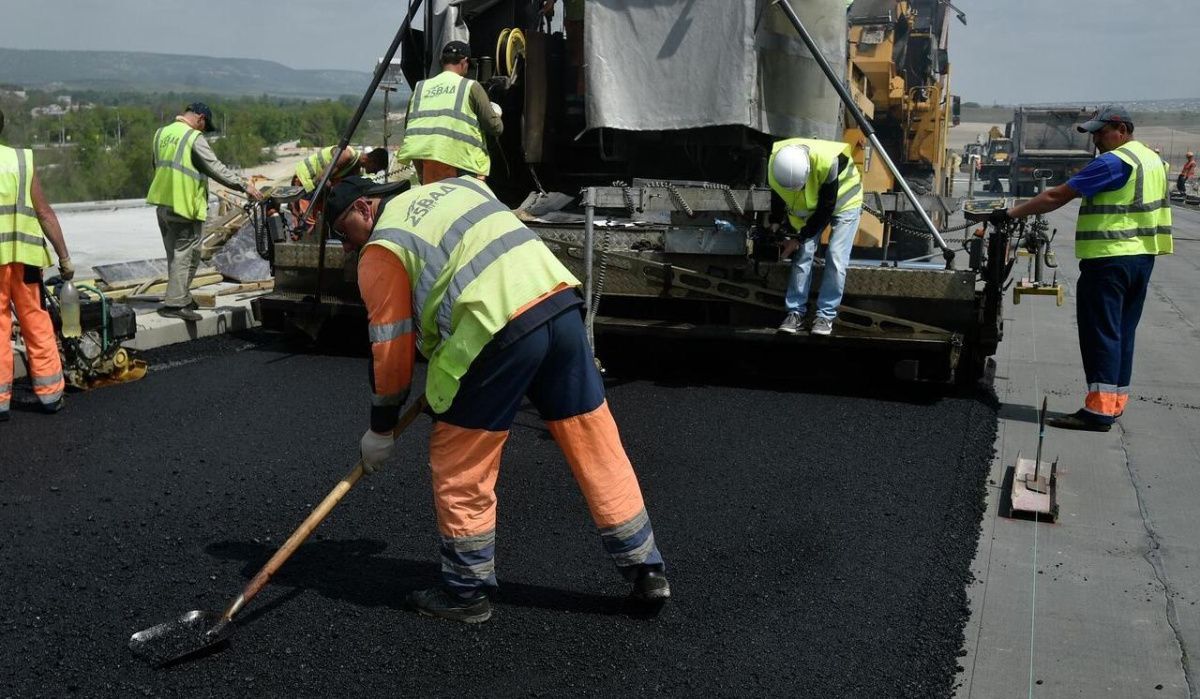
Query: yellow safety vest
point(310, 169)
point(823, 157)
point(177, 183)
point(21, 238)
point(1132, 220)
point(472, 263)
point(441, 125)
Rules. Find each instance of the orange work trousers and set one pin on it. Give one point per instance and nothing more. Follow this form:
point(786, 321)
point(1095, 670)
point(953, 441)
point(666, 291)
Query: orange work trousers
point(21, 292)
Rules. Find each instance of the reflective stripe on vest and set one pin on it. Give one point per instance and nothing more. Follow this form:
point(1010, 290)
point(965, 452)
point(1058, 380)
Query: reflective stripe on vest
point(474, 264)
point(177, 183)
point(823, 158)
point(442, 125)
point(1133, 220)
point(310, 169)
point(21, 238)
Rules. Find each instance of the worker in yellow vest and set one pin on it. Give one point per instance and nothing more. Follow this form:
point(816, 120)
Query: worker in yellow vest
point(183, 162)
point(820, 186)
point(351, 162)
point(1124, 223)
point(26, 223)
point(448, 117)
point(447, 270)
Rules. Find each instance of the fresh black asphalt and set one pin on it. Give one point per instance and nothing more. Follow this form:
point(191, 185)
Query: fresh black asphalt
point(818, 534)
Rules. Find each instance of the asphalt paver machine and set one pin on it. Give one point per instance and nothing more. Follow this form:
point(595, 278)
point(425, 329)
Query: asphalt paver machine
point(636, 144)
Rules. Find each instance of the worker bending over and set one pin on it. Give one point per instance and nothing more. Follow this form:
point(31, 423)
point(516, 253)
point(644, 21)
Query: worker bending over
point(820, 186)
point(350, 162)
point(1124, 223)
point(26, 223)
point(447, 118)
point(446, 269)
point(183, 162)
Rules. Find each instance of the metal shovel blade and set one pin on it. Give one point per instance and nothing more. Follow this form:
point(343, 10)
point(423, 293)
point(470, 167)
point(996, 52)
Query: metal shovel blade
point(190, 634)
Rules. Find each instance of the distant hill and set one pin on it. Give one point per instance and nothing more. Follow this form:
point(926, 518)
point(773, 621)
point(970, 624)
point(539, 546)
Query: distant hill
point(160, 72)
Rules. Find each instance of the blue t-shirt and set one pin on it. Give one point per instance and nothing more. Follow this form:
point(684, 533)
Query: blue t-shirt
point(1106, 173)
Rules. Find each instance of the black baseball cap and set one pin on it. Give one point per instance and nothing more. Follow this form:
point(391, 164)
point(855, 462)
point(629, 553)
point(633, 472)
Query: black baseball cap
point(457, 50)
point(1108, 114)
point(351, 189)
point(203, 110)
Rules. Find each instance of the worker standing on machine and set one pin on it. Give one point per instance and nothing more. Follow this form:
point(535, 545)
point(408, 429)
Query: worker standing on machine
point(448, 117)
point(1124, 223)
point(820, 186)
point(183, 162)
point(26, 223)
point(447, 269)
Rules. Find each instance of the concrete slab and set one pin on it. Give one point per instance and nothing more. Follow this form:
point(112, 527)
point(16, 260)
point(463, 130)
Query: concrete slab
point(1104, 603)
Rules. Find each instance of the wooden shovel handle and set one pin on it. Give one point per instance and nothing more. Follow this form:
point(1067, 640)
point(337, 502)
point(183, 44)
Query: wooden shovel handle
point(319, 513)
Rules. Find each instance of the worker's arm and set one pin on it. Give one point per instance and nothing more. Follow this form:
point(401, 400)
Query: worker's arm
point(205, 160)
point(386, 291)
point(1105, 173)
point(489, 121)
point(348, 159)
point(826, 200)
point(51, 228)
point(1044, 203)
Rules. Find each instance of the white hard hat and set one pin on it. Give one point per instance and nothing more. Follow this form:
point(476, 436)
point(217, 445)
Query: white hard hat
point(791, 167)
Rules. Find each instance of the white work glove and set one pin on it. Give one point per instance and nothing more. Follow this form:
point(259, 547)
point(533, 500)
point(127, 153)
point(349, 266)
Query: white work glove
point(66, 270)
point(376, 449)
point(496, 108)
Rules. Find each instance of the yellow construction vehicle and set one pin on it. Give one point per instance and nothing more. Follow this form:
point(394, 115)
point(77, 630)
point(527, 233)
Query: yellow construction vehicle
point(899, 75)
point(646, 173)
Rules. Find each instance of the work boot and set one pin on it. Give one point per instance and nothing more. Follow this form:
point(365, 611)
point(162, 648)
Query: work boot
point(4, 416)
point(180, 312)
point(440, 602)
point(1079, 420)
point(792, 323)
point(650, 586)
point(51, 408)
point(822, 326)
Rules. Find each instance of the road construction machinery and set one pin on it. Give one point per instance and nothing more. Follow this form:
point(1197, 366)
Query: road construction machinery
point(1046, 142)
point(636, 145)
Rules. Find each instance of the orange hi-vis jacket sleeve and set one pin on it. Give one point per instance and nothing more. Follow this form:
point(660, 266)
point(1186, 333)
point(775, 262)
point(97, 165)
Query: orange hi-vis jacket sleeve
point(387, 293)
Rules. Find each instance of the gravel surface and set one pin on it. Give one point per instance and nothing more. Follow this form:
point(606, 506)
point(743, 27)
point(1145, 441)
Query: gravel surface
point(819, 540)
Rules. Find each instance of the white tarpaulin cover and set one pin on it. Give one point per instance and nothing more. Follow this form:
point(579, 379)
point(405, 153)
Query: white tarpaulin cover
point(679, 64)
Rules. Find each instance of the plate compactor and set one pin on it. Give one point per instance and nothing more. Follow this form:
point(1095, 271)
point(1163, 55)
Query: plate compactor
point(93, 355)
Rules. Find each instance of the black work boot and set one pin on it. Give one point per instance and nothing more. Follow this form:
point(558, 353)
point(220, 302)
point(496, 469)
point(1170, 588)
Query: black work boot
point(51, 408)
point(3, 416)
point(1078, 420)
point(440, 602)
point(650, 587)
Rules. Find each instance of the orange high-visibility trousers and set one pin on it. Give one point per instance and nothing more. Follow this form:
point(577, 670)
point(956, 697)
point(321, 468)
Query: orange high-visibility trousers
point(45, 368)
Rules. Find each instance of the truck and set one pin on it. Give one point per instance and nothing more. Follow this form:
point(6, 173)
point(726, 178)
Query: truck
point(995, 166)
point(1047, 146)
point(641, 163)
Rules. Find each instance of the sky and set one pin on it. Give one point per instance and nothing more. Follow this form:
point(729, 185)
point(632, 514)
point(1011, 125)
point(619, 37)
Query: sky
point(1011, 51)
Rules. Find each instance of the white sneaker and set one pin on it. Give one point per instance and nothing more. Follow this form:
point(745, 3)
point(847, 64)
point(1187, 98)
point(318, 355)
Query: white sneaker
point(822, 326)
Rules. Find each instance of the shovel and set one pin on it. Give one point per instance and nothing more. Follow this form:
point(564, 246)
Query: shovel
point(197, 632)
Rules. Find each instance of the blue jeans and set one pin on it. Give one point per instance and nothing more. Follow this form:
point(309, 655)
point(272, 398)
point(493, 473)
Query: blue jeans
point(837, 259)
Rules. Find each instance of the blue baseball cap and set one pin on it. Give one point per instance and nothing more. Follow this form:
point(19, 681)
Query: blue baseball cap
point(203, 110)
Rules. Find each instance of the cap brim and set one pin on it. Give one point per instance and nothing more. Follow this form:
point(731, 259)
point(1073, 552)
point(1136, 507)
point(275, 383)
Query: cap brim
point(1091, 126)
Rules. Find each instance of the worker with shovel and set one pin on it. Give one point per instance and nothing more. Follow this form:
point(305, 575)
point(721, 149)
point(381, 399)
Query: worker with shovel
point(448, 270)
